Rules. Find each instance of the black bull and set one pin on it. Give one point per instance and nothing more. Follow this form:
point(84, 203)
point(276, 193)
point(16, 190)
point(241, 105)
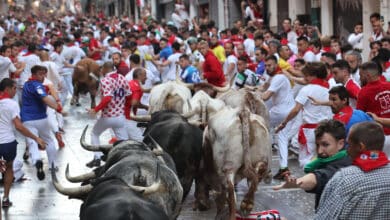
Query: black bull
point(181, 140)
point(133, 176)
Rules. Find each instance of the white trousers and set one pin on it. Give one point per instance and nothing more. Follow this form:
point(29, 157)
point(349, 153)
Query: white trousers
point(134, 132)
point(68, 81)
point(282, 137)
point(308, 152)
point(56, 120)
point(39, 128)
point(116, 123)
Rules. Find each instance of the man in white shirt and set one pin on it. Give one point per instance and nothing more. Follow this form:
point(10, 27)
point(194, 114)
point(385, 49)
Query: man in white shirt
point(30, 59)
point(172, 63)
point(71, 54)
point(356, 38)
point(9, 118)
point(281, 94)
point(304, 51)
point(354, 60)
point(230, 64)
point(6, 65)
point(315, 74)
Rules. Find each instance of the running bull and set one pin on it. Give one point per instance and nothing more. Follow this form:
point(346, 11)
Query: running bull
point(85, 79)
point(181, 140)
point(135, 183)
point(236, 145)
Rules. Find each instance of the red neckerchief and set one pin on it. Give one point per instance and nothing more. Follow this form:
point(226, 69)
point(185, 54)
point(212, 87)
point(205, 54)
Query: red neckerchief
point(33, 79)
point(284, 41)
point(250, 36)
point(326, 49)
point(344, 115)
point(4, 95)
point(71, 44)
point(387, 65)
point(320, 82)
point(171, 39)
point(28, 53)
point(307, 50)
point(330, 76)
point(214, 46)
point(248, 59)
point(278, 70)
point(302, 137)
point(114, 75)
point(371, 160)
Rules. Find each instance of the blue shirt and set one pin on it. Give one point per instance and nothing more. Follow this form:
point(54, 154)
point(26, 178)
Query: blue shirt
point(33, 107)
point(260, 68)
point(166, 52)
point(357, 117)
point(190, 75)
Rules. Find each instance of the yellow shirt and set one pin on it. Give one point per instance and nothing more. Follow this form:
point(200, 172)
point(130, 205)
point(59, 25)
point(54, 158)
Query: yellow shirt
point(219, 52)
point(284, 65)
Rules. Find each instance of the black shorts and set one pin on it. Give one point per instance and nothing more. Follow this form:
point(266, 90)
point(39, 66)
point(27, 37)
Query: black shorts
point(8, 151)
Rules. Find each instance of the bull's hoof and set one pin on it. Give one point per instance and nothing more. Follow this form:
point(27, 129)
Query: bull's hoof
point(78, 104)
point(246, 207)
point(268, 177)
point(201, 205)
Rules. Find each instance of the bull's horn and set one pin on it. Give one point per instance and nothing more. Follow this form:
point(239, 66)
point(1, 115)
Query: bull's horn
point(80, 178)
point(195, 123)
point(158, 150)
point(140, 118)
point(188, 85)
point(146, 190)
point(250, 88)
point(222, 89)
point(74, 192)
point(189, 114)
point(89, 147)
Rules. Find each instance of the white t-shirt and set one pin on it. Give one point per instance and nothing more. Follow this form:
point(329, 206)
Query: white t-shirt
point(170, 74)
point(356, 76)
point(230, 59)
point(282, 99)
point(9, 111)
point(313, 114)
point(30, 60)
point(309, 56)
point(249, 45)
point(6, 67)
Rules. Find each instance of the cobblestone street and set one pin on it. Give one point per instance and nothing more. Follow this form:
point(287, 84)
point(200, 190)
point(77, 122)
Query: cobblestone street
point(34, 199)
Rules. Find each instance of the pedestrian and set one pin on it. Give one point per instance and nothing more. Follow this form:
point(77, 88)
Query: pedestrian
point(212, 68)
point(360, 191)
point(133, 103)
point(374, 96)
point(331, 156)
point(33, 114)
point(315, 73)
point(114, 89)
point(9, 118)
point(280, 92)
point(189, 73)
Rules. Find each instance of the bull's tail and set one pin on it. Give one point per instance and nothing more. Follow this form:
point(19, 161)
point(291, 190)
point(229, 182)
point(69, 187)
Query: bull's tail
point(250, 101)
point(245, 123)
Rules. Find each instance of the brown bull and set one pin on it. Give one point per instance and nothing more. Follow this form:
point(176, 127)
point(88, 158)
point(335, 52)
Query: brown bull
point(85, 79)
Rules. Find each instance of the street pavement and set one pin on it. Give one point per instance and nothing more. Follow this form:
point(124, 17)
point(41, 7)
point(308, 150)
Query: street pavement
point(38, 200)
